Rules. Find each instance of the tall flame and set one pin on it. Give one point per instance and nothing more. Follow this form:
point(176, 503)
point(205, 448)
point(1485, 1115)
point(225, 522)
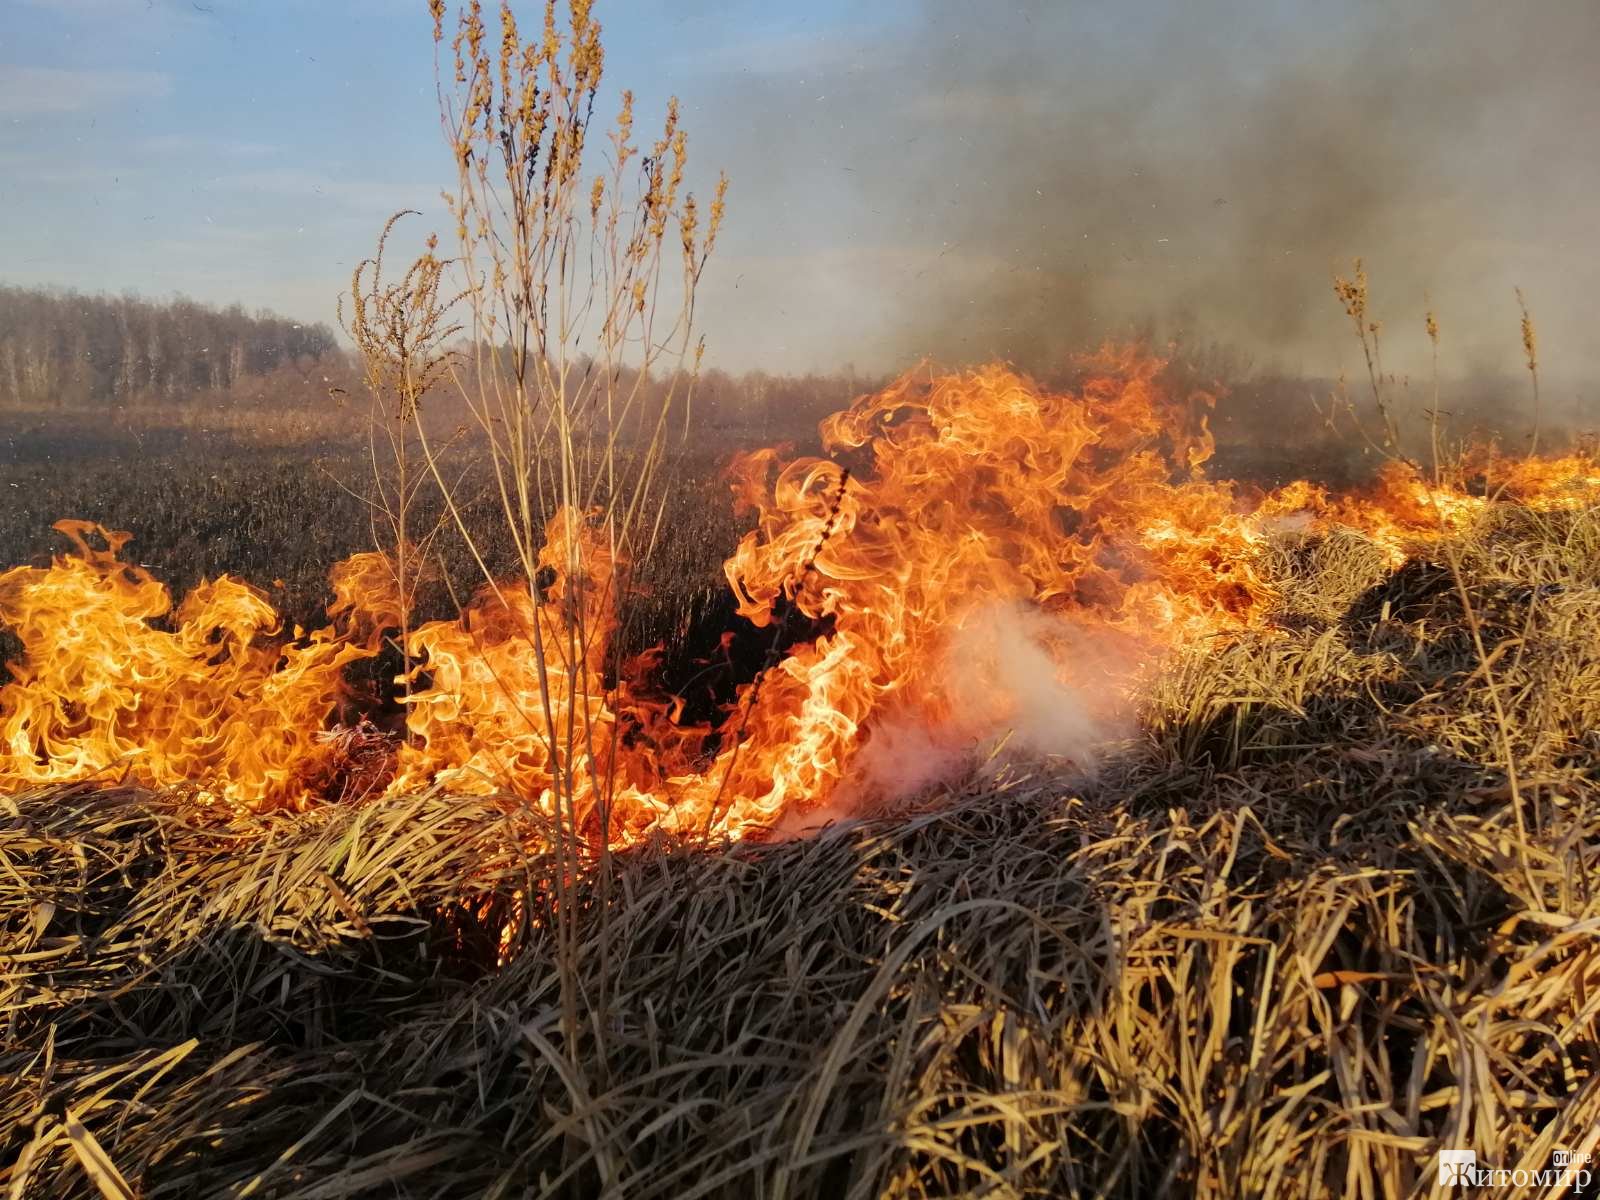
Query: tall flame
point(985, 560)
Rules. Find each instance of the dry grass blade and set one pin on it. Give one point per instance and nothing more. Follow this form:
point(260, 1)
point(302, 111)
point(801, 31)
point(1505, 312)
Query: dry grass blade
point(96, 1163)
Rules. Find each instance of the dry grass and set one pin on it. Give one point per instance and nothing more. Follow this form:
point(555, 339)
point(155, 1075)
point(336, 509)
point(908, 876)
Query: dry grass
point(1288, 944)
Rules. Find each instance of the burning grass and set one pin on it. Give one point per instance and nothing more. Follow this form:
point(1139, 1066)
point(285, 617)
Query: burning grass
point(978, 558)
point(1301, 932)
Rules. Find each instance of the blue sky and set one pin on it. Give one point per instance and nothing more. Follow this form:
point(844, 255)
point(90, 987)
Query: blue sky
point(251, 151)
point(909, 177)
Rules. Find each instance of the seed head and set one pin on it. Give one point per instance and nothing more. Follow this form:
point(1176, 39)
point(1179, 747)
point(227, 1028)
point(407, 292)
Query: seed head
point(1530, 336)
point(1352, 294)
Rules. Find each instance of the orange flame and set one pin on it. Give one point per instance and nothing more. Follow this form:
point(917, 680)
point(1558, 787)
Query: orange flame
point(987, 560)
point(102, 693)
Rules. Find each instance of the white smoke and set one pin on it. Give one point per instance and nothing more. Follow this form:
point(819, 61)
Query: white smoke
point(1016, 684)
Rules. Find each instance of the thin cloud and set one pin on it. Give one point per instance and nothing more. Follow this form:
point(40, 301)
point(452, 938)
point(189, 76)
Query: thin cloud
point(32, 169)
point(166, 11)
point(784, 53)
point(318, 187)
point(195, 146)
point(33, 91)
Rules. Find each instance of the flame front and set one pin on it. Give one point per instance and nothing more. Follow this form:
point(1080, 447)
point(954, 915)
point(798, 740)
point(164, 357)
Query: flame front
point(216, 700)
point(984, 559)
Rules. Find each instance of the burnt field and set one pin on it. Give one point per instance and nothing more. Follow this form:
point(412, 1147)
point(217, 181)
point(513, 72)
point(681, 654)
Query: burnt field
point(280, 515)
point(277, 498)
point(279, 512)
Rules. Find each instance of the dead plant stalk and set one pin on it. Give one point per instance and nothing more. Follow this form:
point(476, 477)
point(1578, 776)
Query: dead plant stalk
point(562, 281)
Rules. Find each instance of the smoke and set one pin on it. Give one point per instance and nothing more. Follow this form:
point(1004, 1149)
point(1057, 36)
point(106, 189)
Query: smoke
point(1018, 179)
point(1000, 696)
point(1008, 667)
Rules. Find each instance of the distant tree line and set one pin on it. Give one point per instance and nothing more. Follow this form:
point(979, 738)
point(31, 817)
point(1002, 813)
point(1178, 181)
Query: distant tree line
point(66, 350)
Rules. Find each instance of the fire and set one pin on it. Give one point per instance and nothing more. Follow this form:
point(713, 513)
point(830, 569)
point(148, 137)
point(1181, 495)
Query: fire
point(215, 700)
point(977, 494)
point(484, 720)
point(988, 562)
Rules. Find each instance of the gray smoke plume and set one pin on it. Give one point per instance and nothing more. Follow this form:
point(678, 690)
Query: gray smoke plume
point(1016, 179)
